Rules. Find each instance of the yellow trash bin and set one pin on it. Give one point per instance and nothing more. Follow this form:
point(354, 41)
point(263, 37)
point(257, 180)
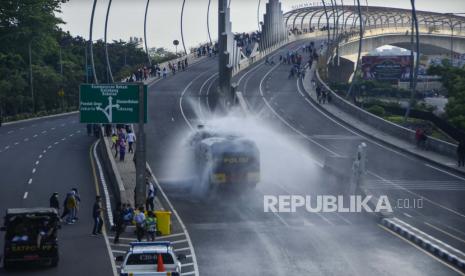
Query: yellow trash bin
point(163, 222)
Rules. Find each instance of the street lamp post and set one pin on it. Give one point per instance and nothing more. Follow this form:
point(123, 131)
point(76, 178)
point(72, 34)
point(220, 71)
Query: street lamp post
point(31, 81)
point(107, 58)
point(145, 33)
point(417, 61)
point(208, 23)
point(91, 43)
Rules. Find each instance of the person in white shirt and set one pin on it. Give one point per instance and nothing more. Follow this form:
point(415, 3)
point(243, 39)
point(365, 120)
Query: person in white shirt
point(131, 137)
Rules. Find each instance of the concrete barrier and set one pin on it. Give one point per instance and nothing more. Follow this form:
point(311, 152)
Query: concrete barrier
point(108, 162)
point(433, 144)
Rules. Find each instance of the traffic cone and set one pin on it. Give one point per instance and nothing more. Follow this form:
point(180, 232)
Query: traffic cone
point(160, 265)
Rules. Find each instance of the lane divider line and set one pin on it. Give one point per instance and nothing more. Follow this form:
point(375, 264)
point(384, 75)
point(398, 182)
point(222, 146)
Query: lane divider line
point(189, 241)
point(92, 149)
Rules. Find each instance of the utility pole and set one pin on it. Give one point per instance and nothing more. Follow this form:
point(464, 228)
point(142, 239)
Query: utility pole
point(31, 81)
point(140, 151)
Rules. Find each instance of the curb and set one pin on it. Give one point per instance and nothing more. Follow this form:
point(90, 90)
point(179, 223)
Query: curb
point(39, 118)
point(379, 140)
point(429, 246)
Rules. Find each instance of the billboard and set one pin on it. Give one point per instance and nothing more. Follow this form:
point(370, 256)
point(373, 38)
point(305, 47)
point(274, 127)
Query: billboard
point(388, 68)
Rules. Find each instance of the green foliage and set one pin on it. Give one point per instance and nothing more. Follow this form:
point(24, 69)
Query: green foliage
point(453, 79)
point(33, 24)
point(373, 88)
point(377, 110)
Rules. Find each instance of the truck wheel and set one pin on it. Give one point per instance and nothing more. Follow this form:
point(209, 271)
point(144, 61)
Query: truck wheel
point(7, 265)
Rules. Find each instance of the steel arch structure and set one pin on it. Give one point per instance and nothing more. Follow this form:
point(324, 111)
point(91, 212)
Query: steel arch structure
point(346, 17)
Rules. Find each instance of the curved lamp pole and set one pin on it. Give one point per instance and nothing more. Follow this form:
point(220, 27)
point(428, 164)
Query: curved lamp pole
point(90, 43)
point(182, 29)
point(145, 32)
point(417, 62)
point(327, 24)
point(258, 14)
point(357, 66)
point(106, 45)
point(208, 21)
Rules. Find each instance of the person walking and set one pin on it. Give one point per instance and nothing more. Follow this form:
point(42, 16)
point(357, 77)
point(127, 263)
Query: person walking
point(97, 216)
point(54, 202)
point(461, 153)
point(139, 218)
point(122, 150)
point(69, 206)
point(318, 94)
point(131, 140)
point(151, 226)
point(78, 203)
point(149, 202)
point(118, 221)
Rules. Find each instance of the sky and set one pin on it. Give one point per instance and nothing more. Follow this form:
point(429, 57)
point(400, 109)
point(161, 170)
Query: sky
point(127, 17)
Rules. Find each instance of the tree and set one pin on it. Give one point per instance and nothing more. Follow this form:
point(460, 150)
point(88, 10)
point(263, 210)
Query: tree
point(453, 79)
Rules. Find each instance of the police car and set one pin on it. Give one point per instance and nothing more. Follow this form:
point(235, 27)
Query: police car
point(150, 259)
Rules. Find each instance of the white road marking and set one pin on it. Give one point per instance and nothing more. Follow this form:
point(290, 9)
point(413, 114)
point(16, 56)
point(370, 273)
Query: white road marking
point(188, 273)
point(182, 96)
point(49, 147)
point(52, 128)
point(37, 162)
point(189, 241)
point(118, 251)
point(181, 249)
point(56, 143)
point(172, 236)
point(188, 264)
point(180, 241)
point(43, 132)
point(34, 170)
point(443, 171)
point(407, 215)
point(26, 139)
point(16, 143)
point(35, 135)
point(172, 119)
point(40, 156)
point(420, 196)
point(109, 211)
point(11, 131)
point(63, 139)
point(71, 135)
point(287, 123)
point(25, 195)
point(30, 181)
point(7, 147)
point(444, 232)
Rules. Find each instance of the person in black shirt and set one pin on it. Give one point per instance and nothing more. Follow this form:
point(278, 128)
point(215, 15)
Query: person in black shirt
point(54, 203)
point(97, 215)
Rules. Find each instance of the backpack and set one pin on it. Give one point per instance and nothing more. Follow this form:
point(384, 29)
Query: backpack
point(151, 224)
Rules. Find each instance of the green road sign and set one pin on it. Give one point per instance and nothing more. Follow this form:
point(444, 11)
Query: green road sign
point(111, 103)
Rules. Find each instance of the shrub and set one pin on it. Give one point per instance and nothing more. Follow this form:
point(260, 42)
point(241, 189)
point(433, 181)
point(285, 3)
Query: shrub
point(377, 110)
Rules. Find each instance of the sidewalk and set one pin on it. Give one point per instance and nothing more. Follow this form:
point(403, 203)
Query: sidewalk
point(443, 161)
point(127, 172)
